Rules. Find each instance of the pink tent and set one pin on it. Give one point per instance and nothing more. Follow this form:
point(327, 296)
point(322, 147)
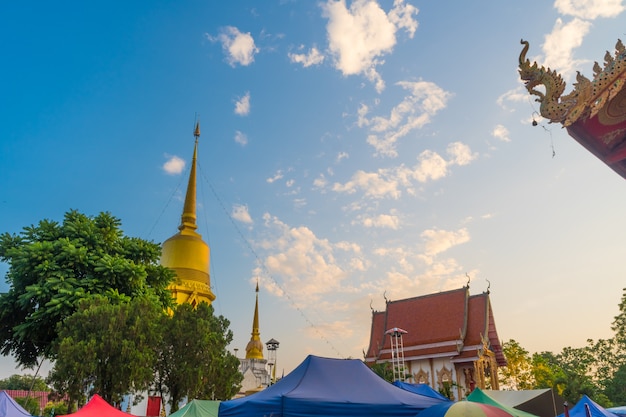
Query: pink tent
point(97, 407)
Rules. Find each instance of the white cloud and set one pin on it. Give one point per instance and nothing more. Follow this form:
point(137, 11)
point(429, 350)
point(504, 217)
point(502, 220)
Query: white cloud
point(241, 138)
point(358, 37)
point(502, 133)
point(390, 182)
point(379, 184)
point(460, 154)
point(560, 43)
point(516, 95)
point(278, 175)
point(389, 221)
point(174, 165)
point(242, 105)
point(238, 47)
point(314, 57)
point(305, 264)
point(241, 213)
point(589, 9)
point(342, 155)
point(414, 111)
point(437, 241)
point(431, 167)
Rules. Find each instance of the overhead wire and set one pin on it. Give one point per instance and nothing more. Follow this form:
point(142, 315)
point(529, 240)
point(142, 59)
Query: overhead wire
point(261, 265)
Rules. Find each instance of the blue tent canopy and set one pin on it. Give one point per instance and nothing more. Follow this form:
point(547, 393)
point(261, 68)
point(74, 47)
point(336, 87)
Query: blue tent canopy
point(579, 410)
point(620, 411)
point(422, 389)
point(10, 408)
point(329, 387)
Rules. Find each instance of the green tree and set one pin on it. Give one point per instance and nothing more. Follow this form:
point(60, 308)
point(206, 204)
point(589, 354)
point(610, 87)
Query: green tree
point(574, 376)
point(518, 374)
point(383, 370)
point(53, 266)
point(54, 408)
point(193, 359)
point(614, 359)
point(108, 347)
point(24, 382)
point(29, 404)
point(546, 371)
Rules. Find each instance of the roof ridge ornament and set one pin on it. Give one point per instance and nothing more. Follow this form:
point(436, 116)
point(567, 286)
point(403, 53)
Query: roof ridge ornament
point(587, 98)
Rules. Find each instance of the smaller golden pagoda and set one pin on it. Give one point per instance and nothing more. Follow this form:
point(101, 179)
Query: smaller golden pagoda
point(186, 253)
point(254, 349)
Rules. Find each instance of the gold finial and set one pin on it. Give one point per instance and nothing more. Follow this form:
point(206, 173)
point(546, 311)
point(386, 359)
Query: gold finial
point(188, 220)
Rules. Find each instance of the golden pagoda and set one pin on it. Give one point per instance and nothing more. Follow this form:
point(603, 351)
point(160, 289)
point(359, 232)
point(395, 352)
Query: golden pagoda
point(254, 348)
point(186, 253)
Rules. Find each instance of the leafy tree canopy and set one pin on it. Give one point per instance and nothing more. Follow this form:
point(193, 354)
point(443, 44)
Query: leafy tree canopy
point(53, 266)
point(517, 375)
point(108, 347)
point(24, 382)
point(193, 358)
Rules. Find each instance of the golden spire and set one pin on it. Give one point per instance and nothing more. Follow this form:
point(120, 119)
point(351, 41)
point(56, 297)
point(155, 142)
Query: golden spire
point(185, 252)
point(254, 349)
point(188, 219)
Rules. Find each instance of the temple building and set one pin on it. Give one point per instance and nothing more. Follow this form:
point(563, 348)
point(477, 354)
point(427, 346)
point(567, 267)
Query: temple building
point(448, 341)
point(185, 252)
point(254, 365)
point(594, 113)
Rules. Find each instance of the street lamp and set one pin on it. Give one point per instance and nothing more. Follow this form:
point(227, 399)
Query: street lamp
point(272, 346)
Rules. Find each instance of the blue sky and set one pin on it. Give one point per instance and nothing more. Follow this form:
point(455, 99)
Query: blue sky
point(350, 151)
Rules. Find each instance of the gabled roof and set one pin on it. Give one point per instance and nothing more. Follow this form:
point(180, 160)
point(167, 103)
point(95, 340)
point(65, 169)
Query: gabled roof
point(446, 324)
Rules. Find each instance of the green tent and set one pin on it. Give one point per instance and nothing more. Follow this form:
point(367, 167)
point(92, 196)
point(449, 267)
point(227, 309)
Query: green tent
point(198, 408)
point(478, 396)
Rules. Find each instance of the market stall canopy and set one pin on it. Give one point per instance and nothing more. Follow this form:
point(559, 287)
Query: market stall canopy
point(329, 387)
point(479, 396)
point(422, 389)
point(594, 113)
point(198, 408)
point(586, 407)
point(98, 407)
point(540, 402)
point(620, 411)
point(10, 408)
point(464, 409)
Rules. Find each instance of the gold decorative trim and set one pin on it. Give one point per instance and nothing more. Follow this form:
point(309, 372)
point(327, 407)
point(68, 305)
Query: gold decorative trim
point(587, 98)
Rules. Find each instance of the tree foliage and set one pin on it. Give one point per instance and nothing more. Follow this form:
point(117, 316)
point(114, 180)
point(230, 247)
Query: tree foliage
point(55, 408)
point(383, 370)
point(193, 359)
point(108, 347)
point(29, 404)
point(53, 266)
point(517, 375)
point(24, 382)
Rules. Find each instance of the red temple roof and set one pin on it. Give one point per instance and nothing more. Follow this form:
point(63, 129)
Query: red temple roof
point(450, 323)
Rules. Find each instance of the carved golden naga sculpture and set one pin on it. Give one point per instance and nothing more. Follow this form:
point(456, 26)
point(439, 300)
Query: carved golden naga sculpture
point(587, 98)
